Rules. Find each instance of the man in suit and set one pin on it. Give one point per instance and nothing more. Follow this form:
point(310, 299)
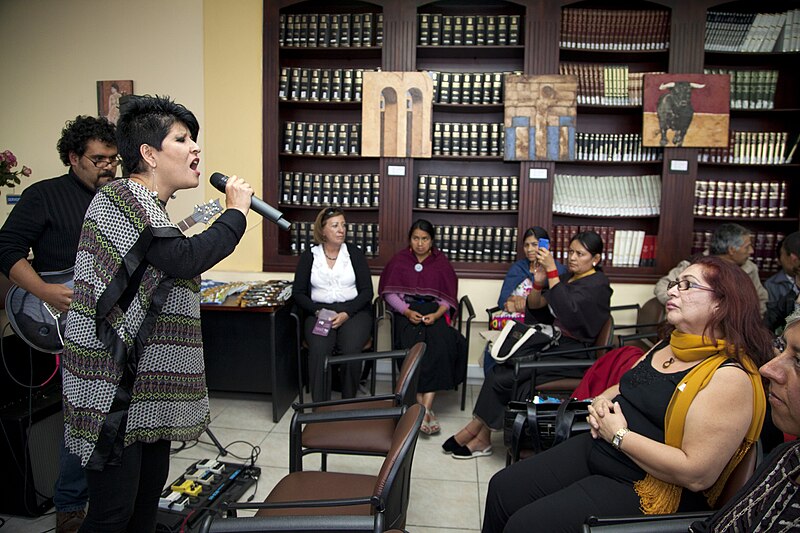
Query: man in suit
point(47, 220)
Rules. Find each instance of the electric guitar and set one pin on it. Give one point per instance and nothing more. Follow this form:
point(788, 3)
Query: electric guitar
point(40, 324)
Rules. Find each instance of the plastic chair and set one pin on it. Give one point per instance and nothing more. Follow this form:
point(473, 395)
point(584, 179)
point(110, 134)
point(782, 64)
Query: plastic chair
point(350, 500)
point(462, 321)
point(358, 437)
point(678, 522)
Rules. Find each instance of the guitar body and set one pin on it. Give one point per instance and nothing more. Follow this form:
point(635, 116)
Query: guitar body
point(35, 322)
point(42, 326)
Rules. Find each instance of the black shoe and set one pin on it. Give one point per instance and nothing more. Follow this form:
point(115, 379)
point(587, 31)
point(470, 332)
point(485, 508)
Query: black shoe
point(450, 445)
point(465, 453)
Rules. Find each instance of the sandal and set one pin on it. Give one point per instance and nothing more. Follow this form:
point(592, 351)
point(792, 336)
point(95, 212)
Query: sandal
point(433, 425)
point(426, 425)
point(466, 453)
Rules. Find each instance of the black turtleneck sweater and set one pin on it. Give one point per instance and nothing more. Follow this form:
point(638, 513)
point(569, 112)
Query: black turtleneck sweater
point(48, 220)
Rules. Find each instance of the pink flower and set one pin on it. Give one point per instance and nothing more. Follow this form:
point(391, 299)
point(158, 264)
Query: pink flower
point(26, 171)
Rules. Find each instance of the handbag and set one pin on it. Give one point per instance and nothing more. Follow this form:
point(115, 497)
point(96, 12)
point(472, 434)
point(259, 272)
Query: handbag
point(539, 426)
point(523, 342)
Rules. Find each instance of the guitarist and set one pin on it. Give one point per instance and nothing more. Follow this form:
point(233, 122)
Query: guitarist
point(47, 220)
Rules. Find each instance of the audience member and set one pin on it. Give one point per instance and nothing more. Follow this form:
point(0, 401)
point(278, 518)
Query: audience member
point(733, 243)
point(665, 438)
point(133, 353)
point(47, 220)
point(333, 275)
point(580, 304)
point(769, 501)
point(782, 286)
point(420, 285)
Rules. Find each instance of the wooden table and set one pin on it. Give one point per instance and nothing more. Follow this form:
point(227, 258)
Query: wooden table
point(251, 349)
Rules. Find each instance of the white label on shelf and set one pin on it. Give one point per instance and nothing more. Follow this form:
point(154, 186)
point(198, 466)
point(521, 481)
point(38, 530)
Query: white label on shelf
point(679, 165)
point(396, 170)
point(537, 174)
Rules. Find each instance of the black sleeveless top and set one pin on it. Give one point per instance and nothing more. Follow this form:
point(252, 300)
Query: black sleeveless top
point(644, 396)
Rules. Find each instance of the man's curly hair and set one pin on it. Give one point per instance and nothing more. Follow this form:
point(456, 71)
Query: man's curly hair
point(77, 134)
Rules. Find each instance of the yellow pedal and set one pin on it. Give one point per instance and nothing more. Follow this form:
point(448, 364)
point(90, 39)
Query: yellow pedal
point(188, 487)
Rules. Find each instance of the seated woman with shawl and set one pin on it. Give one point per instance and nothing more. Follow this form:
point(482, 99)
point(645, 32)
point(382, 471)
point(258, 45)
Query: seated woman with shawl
point(667, 437)
point(517, 285)
point(580, 306)
point(419, 284)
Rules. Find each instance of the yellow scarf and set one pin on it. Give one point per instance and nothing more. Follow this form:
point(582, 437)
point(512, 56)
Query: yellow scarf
point(659, 497)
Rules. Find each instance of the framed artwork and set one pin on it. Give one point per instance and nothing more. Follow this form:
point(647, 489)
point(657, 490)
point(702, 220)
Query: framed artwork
point(539, 119)
point(108, 95)
point(689, 110)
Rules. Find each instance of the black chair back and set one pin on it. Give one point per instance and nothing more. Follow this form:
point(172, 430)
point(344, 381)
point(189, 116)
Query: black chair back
point(406, 388)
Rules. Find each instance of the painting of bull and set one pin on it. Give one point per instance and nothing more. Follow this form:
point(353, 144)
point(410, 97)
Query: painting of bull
point(675, 110)
point(695, 107)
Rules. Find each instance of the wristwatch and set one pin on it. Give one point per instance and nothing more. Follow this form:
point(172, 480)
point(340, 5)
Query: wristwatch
point(616, 441)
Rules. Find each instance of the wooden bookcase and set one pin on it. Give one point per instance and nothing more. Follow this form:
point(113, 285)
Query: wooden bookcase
point(538, 52)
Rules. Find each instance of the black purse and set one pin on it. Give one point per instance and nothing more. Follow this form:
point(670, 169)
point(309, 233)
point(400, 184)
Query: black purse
point(539, 426)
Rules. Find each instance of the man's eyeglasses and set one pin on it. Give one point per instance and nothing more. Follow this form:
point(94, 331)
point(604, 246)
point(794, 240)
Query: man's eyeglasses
point(104, 162)
point(685, 285)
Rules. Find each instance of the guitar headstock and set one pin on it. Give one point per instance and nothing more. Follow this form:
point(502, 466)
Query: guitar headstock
point(203, 213)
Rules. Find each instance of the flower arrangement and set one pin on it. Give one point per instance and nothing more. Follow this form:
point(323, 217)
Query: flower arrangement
point(9, 177)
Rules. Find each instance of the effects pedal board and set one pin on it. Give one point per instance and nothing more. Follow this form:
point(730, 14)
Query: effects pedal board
point(200, 491)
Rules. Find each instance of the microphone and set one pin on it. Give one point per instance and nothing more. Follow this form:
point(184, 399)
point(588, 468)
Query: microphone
point(219, 180)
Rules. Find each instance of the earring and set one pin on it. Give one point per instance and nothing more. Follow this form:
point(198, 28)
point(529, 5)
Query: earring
point(594, 264)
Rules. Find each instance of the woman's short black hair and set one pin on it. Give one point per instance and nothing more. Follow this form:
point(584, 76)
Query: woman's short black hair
point(537, 231)
point(77, 134)
point(589, 240)
point(147, 120)
point(425, 226)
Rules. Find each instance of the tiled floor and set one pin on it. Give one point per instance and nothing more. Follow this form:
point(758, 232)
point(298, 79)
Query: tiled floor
point(446, 494)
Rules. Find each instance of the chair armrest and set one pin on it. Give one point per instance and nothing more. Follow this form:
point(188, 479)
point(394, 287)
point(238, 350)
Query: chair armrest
point(346, 401)
point(490, 311)
point(287, 523)
point(641, 325)
point(547, 365)
point(671, 523)
point(369, 356)
point(465, 302)
point(335, 502)
point(349, 415)
point(555, 353)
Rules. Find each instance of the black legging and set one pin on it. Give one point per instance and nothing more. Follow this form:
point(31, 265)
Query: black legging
point(555, 491)
point(124, 498)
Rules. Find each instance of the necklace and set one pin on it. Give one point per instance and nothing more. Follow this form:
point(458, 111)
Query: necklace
point(329, 258)
point(668, 362)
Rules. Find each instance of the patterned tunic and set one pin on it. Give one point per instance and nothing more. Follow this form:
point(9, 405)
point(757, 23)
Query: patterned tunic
point(133, 355)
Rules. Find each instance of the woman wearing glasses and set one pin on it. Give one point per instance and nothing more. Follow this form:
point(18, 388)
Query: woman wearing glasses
point(133, 369)
point(665, 438)
point(333, 287)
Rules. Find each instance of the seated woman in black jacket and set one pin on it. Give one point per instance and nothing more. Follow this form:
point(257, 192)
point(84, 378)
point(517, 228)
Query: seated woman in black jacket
point(334, 275)
point(580, 303)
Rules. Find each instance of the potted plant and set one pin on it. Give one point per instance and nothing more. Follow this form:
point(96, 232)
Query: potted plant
point(8, 176)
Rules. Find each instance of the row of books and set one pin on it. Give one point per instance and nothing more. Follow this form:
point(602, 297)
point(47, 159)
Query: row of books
point(322, 138)
point(753, 32)
point(751, 148)
point(624, 196)
point(754, 199)
point(470, 139)
point(364, 235)
point(345, 190)
point(468, 87)
point(750, 89)
point(614, 147)
point(331, 30)
point(486, 244)
point(614, 29)
point(468, 193)
point(621, 248)
point(765, 244)
point(606, 84)
point(436, 29)
point(298, 84)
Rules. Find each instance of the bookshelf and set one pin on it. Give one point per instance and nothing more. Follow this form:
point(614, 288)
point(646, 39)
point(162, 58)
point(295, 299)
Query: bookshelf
point(609, 117)
point(754, 183)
